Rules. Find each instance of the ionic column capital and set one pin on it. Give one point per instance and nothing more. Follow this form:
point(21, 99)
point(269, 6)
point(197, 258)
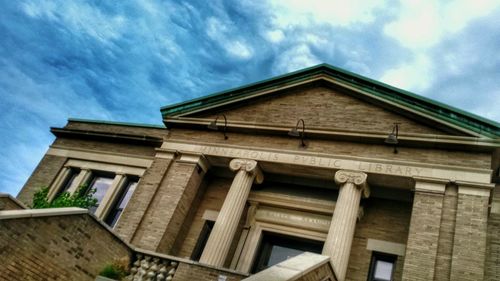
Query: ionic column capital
point(355, 177)
point(249, 166)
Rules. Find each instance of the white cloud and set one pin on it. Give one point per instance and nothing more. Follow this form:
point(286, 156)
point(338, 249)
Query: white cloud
point(414, 76)
point(423, 24)
point(274, 36)
point(223, 34)
point(80, 18)
point(336, 12)
point(294, 59)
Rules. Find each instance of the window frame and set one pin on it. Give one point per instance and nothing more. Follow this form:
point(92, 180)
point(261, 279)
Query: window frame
point(379, 256)
point(118, 199)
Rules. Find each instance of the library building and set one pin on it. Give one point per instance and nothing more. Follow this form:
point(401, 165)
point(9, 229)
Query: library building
point(319, 174)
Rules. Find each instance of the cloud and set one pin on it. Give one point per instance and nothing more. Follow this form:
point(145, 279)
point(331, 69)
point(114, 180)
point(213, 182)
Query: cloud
point(415, 75)
point(122, 60)
point(336, 13)
point(422, 24)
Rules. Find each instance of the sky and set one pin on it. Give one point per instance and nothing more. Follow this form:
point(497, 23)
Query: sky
point(123, 60)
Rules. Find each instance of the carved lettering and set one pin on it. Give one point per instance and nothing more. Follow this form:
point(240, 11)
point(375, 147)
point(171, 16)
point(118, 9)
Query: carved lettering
point(380, 168)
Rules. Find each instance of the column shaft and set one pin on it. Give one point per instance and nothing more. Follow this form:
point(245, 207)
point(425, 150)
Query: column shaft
point(340, 236)
point(225, 227)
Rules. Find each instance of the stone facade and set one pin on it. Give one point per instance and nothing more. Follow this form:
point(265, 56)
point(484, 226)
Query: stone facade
point(56, 247)
point(432, 209)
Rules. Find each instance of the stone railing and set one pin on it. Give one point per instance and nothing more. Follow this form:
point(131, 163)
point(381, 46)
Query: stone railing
point(152, 267)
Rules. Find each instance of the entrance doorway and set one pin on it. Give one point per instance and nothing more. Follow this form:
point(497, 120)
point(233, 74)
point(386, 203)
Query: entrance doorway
point(275, 248)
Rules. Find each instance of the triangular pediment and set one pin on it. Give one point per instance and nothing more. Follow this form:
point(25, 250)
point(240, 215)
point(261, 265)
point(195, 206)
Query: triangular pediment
point(334, 99)
point(321, 108)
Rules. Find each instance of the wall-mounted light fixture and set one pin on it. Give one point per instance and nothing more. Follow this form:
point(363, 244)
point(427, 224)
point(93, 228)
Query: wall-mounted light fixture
point(294, 132)
point(392, 138)
point(213, 125)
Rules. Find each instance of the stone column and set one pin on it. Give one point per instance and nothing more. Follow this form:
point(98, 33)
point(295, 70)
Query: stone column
point(341, 233)
point(219, 242)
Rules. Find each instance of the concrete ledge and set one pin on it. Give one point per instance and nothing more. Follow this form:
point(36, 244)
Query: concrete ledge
point(15, 214)
point(386, 247)
point(291, 269)
point(13, 199)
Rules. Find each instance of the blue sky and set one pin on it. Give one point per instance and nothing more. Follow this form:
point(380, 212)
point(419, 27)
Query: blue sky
point(122, 60)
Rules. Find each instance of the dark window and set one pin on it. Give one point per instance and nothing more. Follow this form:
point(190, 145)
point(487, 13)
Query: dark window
point(73, 173)
point(202, 240)
point(275, 248)
point(382, 267)
point(121, 202)
point(101, 184)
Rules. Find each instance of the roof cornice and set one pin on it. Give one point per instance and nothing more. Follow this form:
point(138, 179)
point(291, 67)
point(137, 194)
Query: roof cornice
point(443, 112)
point(463, 143)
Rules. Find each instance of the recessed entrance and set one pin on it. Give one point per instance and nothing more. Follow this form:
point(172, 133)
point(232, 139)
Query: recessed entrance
point(275, 248)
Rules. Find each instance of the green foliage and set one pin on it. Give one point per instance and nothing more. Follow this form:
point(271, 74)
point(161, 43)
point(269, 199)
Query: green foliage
point(79, 199)
point(116, 270)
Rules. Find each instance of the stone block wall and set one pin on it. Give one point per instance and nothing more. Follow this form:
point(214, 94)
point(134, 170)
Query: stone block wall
point(421, 249)
point(469, 245)
point(446, 234)
point(44, 174)
point(385, 220)
point(492, 263)
point(141, 199)
point(56, 247)
point(164, 218)
point(191, 272)
point(7, 202)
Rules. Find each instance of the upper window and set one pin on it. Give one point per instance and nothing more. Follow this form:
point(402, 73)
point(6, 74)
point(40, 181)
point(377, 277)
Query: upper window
point(121, 201)
point(101, 184)
point(382, 267)
point(68, 181)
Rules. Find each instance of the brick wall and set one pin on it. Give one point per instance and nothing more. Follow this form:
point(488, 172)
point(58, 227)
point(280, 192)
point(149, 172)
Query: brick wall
point(111, 128)
point(321, 273)
point(446, 234)
point(421, 248)
point(67, 247)
point(284, 142)
point(385, 220)
point(44, 174)
point(191, 272)
point(469, 245)
point(165, 216)
point(212, 199)
point(323, 107)
point(140, 200)
point(9, 203)
point(492, 268)
point(107, 147)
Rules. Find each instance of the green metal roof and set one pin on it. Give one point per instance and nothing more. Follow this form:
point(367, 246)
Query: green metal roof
point(117, 123)
point(425, 105)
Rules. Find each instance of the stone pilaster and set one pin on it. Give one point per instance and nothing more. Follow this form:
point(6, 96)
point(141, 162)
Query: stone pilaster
point(469, 247)
point(219, 242)
point(339, 240)
point(423, 237)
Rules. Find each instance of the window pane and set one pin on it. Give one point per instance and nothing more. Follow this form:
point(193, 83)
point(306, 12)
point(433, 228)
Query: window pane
point(121, 202)
point(101, 185)
point(383, 270)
